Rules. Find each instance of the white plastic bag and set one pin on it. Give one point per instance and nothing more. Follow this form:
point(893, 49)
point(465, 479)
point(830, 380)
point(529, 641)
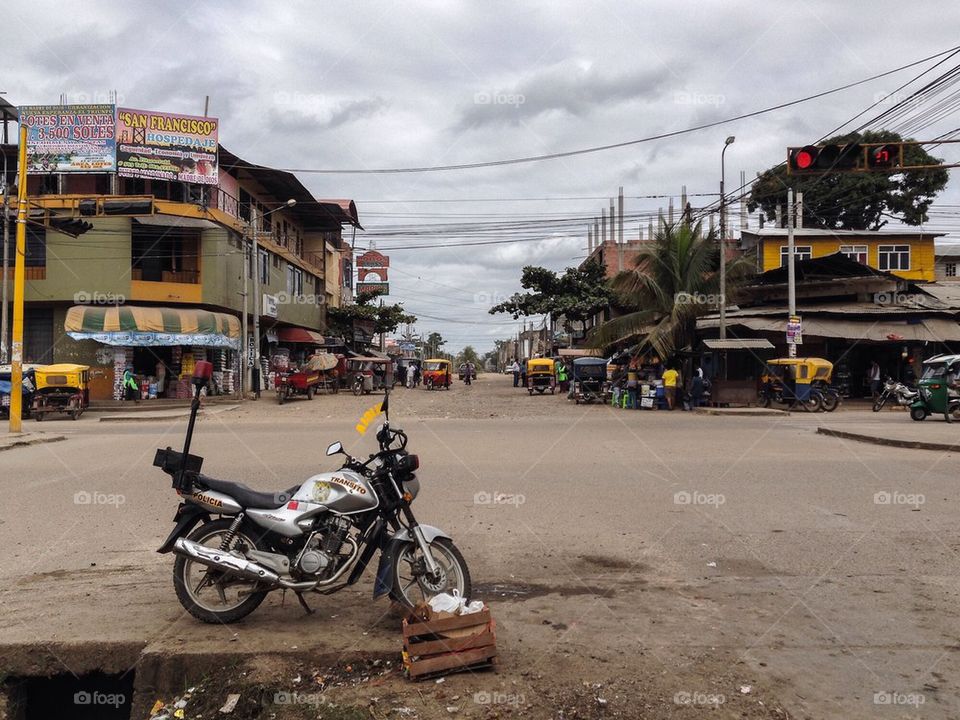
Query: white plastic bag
point(455, 604)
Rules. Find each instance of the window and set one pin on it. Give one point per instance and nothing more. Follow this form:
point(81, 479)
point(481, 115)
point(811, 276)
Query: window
point(264, 266)
point(294, 280)
point(165, 254)
point(893, 257)
point(950, 269)
point(800, 252)
point(36, 247)
point(855, 252)
point(276, 261)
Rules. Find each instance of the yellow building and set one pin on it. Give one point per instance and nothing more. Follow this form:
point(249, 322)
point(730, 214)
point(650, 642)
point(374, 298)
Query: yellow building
point(906, 253)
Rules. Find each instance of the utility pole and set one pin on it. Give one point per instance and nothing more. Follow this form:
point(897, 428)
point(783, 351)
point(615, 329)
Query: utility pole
point(791, 273)
point(620, 229)
point(257, 303)
point(244, 349)
point(723, 241)
point(16, 371)
point(4, 335)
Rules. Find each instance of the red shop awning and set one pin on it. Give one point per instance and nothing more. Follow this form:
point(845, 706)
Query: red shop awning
point(299, 335)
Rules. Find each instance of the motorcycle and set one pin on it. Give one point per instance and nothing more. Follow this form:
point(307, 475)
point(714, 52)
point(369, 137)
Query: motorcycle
point(317, 537)
point(894, 390)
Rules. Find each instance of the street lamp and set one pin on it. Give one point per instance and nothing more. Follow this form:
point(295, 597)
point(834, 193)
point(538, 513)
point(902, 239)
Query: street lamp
point(723, 242)
point(250, 245)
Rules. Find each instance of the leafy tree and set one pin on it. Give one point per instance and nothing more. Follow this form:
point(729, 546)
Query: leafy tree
point(386, 318)
point(855, 201)
point(577, 295)
point(469, 354)
point(676, 278)
point(433, 344)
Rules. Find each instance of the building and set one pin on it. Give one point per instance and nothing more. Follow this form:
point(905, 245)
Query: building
point(851, 314)
point(947, 262)
point(906, 253)
point(154, 270)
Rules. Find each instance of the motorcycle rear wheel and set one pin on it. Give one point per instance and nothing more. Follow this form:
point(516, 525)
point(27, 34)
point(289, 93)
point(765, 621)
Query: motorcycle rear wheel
point(831, 401)
point(410, 589)
point(189, 575)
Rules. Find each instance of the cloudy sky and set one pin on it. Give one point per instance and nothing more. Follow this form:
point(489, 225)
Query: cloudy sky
point(314, 85)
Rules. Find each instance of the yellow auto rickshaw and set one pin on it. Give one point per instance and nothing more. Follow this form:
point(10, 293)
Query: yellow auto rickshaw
point(541, 376)
point(798, 381)
point(62, 388)
point(436, 374)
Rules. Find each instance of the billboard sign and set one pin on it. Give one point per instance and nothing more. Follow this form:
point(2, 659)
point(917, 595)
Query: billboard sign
point(167, 146)
point(70, 138)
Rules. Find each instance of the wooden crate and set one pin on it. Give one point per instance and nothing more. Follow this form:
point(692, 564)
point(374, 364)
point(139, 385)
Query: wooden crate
point(441, 643)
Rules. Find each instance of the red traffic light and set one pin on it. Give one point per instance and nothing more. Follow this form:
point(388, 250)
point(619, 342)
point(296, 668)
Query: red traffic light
point(804, 158)
point(884, 156)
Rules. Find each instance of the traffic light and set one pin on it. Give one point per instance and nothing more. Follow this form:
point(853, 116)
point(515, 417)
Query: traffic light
point(884, 156)
point(70, 226)
point(824, 158)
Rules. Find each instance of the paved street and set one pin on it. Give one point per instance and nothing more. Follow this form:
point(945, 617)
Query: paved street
point(638, 563)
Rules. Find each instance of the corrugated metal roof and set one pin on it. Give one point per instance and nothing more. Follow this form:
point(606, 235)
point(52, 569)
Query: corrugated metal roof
point(738, 344)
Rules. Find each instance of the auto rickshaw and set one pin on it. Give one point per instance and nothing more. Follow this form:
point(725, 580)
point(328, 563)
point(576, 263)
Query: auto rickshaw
point(62, 388)
point(795, 381)
point(541, 376)
point(29, 385)
point(589, 379)
point(936, 393)
point(436, 374)
point(370, 373)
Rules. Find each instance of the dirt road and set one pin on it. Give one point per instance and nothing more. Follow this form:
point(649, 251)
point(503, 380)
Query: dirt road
point(638, 564)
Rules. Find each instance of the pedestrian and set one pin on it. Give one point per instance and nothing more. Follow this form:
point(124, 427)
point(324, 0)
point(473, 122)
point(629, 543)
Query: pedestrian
point(953, 391)
point(515, 369)
point(671, 379)
point(562, 376)
point(697, 386)
point(633, 381)
point(873, 375)
point(131, 391)
point(161, 377)
point(523, 374)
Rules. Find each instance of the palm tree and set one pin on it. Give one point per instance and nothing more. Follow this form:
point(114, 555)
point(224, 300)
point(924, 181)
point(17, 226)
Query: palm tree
point(675, 280)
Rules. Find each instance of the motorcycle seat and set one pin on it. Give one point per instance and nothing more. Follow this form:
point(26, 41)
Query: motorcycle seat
point(248, 497)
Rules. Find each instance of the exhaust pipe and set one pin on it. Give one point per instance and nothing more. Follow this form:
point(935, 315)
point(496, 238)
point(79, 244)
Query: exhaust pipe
point(214, 558)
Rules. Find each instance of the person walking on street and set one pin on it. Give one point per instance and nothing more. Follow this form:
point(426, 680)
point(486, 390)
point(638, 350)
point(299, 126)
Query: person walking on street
point(671, 380)
point(562, 376)
point(515, 369)
point(873, 375)
point(523, 374)
point(131, 391)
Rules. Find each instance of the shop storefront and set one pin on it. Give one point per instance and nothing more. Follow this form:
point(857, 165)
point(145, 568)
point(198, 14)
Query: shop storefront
point(160, 345)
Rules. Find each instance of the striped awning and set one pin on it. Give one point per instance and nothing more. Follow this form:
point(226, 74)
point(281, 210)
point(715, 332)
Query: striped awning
point(129, 325)
point(299, 335)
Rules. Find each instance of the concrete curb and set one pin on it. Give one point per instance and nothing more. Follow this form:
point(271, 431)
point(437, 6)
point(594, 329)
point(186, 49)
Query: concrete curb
point(743, 412)
point(25, 442)
point(145, 417)
point(889, 442)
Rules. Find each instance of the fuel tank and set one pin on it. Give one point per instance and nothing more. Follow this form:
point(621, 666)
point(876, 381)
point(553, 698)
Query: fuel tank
point(344, 492)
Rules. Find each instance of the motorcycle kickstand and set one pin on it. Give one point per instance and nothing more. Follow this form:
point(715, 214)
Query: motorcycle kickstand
point(303, 604)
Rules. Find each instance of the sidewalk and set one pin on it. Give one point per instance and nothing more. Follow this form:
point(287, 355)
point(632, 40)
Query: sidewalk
point(893, 429)
point(165, 414)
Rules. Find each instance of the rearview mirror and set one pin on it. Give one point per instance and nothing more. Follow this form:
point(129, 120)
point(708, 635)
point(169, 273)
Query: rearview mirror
point(335, 448)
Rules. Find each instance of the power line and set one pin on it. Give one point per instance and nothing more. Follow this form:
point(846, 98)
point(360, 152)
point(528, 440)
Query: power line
point(611, 146)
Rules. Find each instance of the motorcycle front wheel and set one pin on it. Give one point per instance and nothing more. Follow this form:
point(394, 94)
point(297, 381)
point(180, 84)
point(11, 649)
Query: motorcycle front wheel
point(412, 585)
point(210, 595)
point(879, 403)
